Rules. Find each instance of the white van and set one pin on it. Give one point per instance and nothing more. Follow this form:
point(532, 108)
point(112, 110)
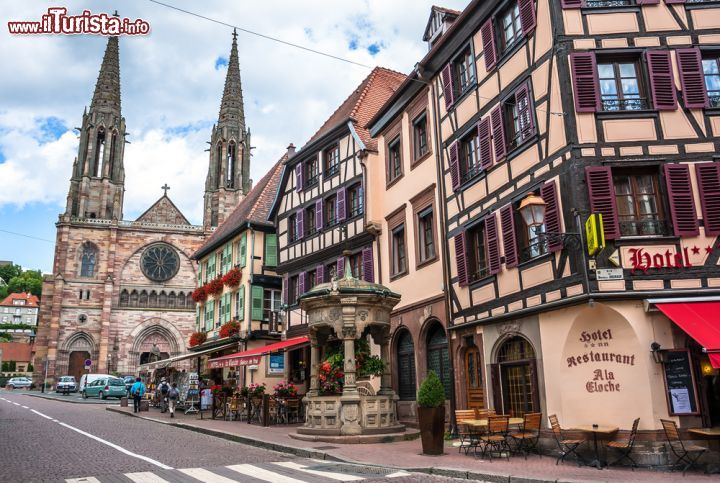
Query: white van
point(86, 379)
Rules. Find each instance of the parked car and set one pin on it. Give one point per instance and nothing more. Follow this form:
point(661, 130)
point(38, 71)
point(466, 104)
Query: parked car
point(18, 382)
point(129, 381)
point(66, 385)
point(105, 387)
point(86, 379)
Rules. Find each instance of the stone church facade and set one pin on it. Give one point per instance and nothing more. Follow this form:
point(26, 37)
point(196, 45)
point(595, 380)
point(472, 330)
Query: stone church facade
point(121, 289)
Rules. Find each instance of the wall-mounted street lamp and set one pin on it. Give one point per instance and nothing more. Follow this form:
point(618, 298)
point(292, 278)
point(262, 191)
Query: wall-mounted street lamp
point(658, 354)
point(532, 209)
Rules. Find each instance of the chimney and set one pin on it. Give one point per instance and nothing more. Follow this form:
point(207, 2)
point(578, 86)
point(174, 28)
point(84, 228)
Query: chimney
point(291, 150)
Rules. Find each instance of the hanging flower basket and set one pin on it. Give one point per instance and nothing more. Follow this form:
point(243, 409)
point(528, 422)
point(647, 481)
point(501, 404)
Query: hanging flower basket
point(200, 294)
point(232, 278)
point(230, 328)
point(197, 338)
point(215, 286)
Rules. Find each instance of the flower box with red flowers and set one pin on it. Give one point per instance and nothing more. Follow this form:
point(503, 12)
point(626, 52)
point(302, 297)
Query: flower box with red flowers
point(229, 329)
point(200, 294)
point(197, 338)
point(232, 278)
point(215, 286)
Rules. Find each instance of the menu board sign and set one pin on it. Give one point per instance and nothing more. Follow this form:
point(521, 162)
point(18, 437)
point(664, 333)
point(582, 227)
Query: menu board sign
point(680, 383)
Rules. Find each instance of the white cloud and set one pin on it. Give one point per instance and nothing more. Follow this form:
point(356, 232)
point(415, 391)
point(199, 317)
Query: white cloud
point(169, 80)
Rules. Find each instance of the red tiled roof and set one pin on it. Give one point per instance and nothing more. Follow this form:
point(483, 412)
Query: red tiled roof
point(30, 299)
point(255, 208)
point(16, 351)
point(362, 104)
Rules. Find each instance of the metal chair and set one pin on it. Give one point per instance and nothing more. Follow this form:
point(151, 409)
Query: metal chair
point(496, 437)
point(625, 447)
point(467, 440)
point(685, 453)
point(231, 408)
point(566, 446)
point(292, 408)
point(526, 440)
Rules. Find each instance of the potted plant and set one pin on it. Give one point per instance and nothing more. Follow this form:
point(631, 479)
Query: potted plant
point(200, 294)
point(431, 414)
point(230, 328)
point(285, 390)
point(197, 338)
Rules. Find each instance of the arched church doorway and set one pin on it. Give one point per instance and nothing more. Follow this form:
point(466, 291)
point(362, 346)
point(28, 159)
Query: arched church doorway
point(79, 347)
point(76, 363)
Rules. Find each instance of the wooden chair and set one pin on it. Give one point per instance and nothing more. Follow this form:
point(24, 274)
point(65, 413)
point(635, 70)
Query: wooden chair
point(685, 453)
point(527, 438)
point(467, 432)
point(496, 437)
point(484, 413)
point(566, 446)
point(625, 447)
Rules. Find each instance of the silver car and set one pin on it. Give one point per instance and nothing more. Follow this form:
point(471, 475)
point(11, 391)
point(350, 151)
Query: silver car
point(18, 383)
point(66, 384)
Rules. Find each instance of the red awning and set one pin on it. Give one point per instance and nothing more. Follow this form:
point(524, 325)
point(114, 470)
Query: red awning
point(701, 321)
point(252, 356)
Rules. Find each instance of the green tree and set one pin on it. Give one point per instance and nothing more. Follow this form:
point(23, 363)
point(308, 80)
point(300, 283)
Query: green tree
point(10, 271)
point(28, 281)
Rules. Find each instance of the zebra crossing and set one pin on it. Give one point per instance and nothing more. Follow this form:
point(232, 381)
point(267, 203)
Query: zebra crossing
point(315, 471)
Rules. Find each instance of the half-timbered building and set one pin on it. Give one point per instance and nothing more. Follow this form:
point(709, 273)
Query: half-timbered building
point(320, 206)
point(548, 112)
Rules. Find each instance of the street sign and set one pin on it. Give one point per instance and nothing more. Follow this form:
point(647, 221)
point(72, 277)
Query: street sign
point(88, 363)
point(609, 274)
point(614, 258)
point(594, 233)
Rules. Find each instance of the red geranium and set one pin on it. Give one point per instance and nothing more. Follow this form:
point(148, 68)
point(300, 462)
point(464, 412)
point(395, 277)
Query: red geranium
point(230, 328)
point(197, 338)
point(215, 286)
point(199, 294)
point(232, 278)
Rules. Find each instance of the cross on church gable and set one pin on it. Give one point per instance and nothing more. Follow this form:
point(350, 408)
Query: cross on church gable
point(165, 187)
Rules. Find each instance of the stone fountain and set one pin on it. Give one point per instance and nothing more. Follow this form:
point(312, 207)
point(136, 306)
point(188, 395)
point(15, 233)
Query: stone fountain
point(348, 309)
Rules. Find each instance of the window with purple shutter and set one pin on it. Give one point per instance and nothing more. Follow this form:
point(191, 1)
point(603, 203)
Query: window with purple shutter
point(572, 3)
point(454, 165)
point(461, 259)
point(662, 85)
point(340, 267)
point(681, 200)
point(340, 212)
point(493, 243)
point(285, 285)
point(299, 177)
point(368, 266)
point(485, 143)
point(524, 105)
point(447, 81)
point(527, 15)
point(692, 79)
point(498, 133)
point(507, 224)
point(319, 215)
point(488, 40)
point(585, 82)
point(708, 179)
point(301, 283)
point(320, 274)
point(549, 194)
point(299, 224)
point(602, 198)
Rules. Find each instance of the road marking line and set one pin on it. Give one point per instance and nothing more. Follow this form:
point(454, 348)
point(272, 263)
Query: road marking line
point(25, 407)
point(17, 404)
point(108, 443)
point(397, 474)
point(262, 474)
point(145, 477)
point(206, 476)
point(87, 479)
point(327, 474)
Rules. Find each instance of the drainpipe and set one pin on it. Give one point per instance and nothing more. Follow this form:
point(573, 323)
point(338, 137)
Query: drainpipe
point(446, 251)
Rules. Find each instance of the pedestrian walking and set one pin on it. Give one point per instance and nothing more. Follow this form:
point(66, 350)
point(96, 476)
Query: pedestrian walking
point(137, 391)
point(173, 395)
point(164, 388)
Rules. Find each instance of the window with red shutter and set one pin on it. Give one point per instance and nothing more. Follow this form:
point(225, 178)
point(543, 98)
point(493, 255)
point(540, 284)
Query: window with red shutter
point(340, 267)
point(341, 211)
point(318, 215)
point(681, 200)
point(447, 80)
point(301, 283)
point(298, 177)
point(320, 274)
point(469, 155)
point(549, 194)
point(507, 223)
point(639, 202)
point(493, 243)
point(299, 224)
point(585, 82)
point(487, 34)
point(498, 133)
point(484, 136)
point(522, 115)
point(527, 15)
point(368, 266)
point(461, 259)
point(692, 80)
point(602, 198)
point(708, 179)
point(285, 287)
point(454, 165)
point(662, 85)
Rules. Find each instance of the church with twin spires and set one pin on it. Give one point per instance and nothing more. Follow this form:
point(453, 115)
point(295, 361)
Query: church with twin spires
point(121, 289)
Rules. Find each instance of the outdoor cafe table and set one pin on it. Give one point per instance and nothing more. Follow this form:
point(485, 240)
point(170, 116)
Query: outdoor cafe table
point(484, 422)
point(708, 433)
point(595, 430)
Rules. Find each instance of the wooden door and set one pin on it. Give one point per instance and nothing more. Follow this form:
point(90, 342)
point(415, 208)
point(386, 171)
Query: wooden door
point(76, 364)
point(473, 379)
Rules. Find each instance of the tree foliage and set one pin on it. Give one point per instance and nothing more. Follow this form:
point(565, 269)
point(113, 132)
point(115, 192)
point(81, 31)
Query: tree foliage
point(25, 281)
point(432, 392)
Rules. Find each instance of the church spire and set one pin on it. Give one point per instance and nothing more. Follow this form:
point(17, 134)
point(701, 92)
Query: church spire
point(106, 97)
point(231, 108)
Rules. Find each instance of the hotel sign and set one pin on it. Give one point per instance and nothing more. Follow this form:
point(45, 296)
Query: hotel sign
point(599, 353)
point(594, 233)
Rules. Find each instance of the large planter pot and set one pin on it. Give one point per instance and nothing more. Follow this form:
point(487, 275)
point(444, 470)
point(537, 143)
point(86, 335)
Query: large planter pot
point(432, 429)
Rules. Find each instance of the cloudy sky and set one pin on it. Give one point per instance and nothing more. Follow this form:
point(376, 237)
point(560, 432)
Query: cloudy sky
point(172, 82)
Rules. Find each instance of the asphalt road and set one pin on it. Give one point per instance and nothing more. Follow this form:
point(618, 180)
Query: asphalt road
point(50, 440)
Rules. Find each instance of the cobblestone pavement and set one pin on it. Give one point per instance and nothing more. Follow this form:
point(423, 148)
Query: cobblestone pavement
point(45, 440)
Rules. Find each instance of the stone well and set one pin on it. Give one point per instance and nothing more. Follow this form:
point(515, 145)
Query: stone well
point(348, 309)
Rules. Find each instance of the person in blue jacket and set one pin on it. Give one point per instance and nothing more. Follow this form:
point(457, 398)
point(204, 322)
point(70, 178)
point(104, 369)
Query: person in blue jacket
point(137, 391)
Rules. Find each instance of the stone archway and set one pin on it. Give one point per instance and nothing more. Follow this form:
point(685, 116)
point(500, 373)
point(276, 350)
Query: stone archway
point(152, 338)
point(76, 349)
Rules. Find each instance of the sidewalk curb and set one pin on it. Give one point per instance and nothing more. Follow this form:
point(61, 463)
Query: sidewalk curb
point(305, 453)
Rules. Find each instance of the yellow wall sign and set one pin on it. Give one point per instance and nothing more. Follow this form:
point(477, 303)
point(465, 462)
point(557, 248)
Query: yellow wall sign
point(594, 233)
